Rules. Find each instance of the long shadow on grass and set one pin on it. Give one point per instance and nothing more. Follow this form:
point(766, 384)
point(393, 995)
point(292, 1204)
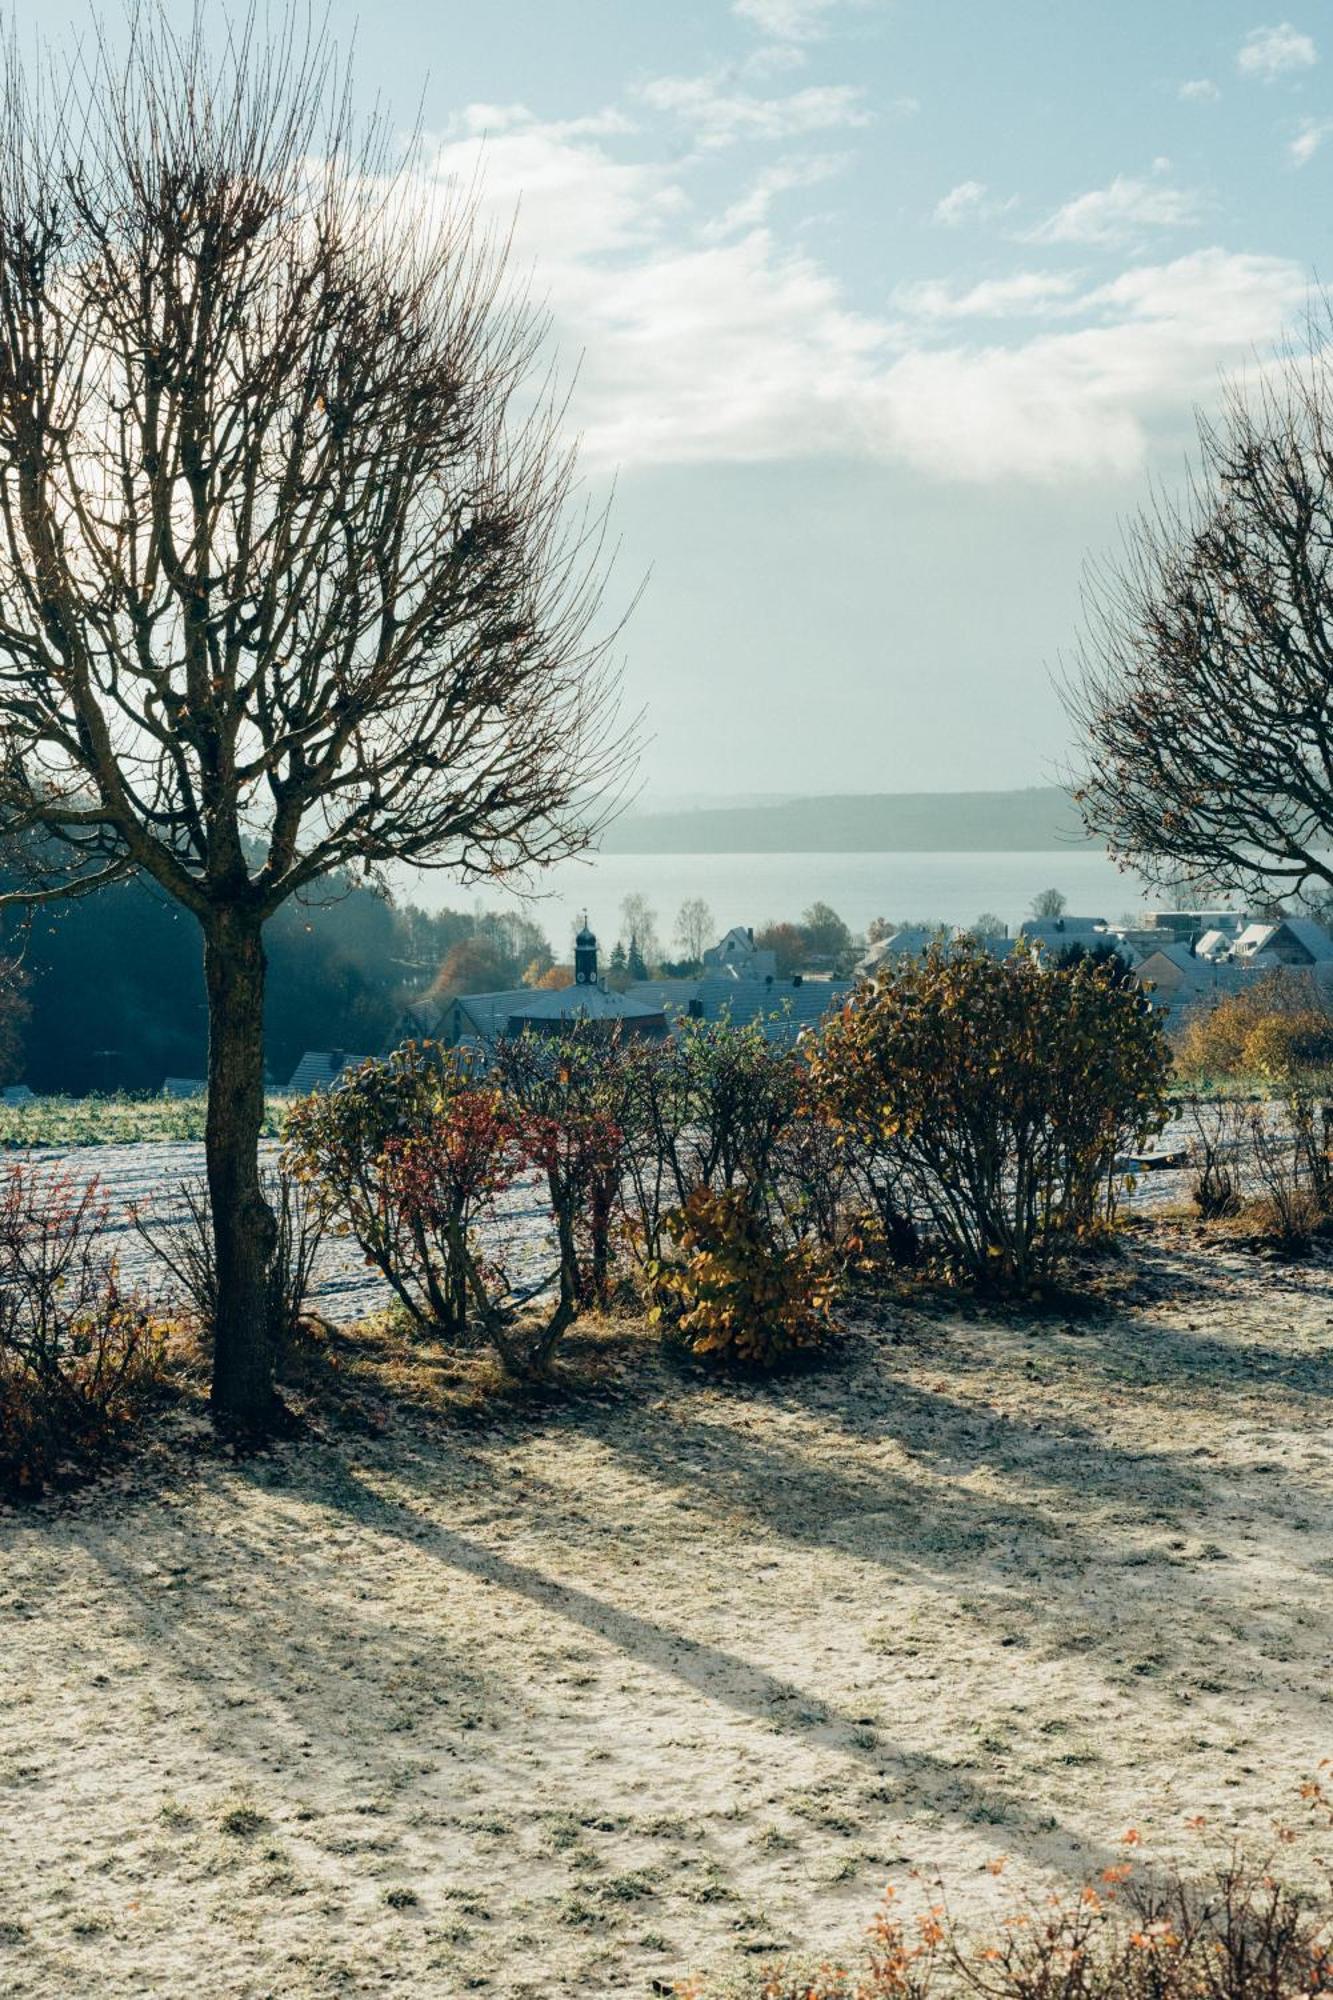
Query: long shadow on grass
point(235, 1604)
point(913, 1779)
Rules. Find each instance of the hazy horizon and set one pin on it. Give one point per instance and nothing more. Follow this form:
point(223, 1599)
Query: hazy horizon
point(879, 317)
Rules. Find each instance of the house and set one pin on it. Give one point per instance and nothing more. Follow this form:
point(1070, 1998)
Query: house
point(319, 1068)
point(737, 949)
point(476, 1020)
point(914, 941)
point(784, 1008)
point(1187, 926)
point(1285, 941)
point(1179, 978)
point(1215, 946)
point(1056, 934)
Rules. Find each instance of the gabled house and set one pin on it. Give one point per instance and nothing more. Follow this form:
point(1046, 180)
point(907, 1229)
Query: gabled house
point(318, 1069)
point(1055, 934)
point(1285, 941)
point(736, 951)
point(1178, 978)
point(1215, 946)
point(914, 941)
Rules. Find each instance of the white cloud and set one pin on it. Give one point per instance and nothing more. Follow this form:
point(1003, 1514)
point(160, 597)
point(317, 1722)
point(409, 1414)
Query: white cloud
point(752, 208)
point(1268, 53)
point(702, 345)
point(965, 203)
point(1024, 295)
point(1308, 140)
point(787, 20)
point(719, 115)
point(1116, 213)
point(1199, 90)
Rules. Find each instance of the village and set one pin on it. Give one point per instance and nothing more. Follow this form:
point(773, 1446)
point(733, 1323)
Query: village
point(1184, 960)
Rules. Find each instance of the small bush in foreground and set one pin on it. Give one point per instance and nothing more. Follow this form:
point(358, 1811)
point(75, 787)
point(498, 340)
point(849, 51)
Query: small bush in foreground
point(79, 1355)
point(396, 1156)
point(1238, 1933)
point(182, 1240)
point(737, 1291)
point(1217, 1139)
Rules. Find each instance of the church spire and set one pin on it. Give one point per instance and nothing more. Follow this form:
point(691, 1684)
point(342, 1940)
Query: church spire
point(585, 956)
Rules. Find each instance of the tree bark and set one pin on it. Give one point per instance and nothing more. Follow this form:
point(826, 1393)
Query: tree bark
point(244, 1230)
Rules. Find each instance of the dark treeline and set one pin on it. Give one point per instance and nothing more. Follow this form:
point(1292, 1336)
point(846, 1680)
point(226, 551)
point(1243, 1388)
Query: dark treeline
point(116, 992)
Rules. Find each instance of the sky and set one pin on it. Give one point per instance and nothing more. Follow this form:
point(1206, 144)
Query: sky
point(880, 316)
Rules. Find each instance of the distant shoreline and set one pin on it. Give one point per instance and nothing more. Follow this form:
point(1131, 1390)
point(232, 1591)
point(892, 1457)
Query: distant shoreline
point(1039, 820)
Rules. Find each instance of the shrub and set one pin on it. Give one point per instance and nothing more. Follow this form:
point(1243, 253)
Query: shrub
point(416, 1155)
point(1218, 1127)
point(80, 1356)
point(1274, 1025)
point(1291, 1173)
point(711, 1108)
point(181, 1238)
point(993, 1096)
point(735, 1290)
point(1238, 1934)
point(404, 1168)
point(571, 1098)
point(440, 1175)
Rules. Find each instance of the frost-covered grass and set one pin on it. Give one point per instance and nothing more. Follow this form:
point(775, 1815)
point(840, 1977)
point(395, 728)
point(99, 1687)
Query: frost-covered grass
point(118, 1120)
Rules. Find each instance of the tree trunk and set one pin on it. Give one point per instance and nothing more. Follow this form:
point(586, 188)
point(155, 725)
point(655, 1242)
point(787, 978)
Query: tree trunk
point(244, 1230)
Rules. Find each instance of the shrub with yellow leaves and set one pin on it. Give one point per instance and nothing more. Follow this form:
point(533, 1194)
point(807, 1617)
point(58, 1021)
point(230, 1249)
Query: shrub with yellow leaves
point(736, 1290)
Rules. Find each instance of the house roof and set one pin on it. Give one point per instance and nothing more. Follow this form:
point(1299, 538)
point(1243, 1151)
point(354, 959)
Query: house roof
point(906, 943)
point(578, 1003)
point(1061, 930)
point(1255, 938)
point(318, 1068)
point(1312, 935)
point(783, 1007)
point(1214, 944)
point(1197, 976)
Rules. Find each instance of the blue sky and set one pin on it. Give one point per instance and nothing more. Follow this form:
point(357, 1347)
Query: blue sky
point(885, 313)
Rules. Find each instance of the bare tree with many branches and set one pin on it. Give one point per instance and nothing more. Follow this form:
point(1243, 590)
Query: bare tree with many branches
point(290, 581)
point(1204, 686)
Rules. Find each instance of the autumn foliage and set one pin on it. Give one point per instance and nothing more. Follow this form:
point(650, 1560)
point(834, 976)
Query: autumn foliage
point(81, 1355)
point(1271, 1028)
point(1235, 1931)
point(736, 1290)
point(991, 1098)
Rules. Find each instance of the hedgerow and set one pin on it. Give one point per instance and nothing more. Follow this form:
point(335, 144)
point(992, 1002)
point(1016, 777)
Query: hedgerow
point(81, 1355)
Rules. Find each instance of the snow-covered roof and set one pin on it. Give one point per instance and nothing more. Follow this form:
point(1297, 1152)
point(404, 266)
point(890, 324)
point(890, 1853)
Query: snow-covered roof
point(1255, 938)
point(1213, 945)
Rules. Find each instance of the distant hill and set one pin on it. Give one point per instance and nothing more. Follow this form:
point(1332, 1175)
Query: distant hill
point(1041, 817)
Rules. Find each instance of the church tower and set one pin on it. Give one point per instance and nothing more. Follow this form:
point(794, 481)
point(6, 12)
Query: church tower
point(585, 956)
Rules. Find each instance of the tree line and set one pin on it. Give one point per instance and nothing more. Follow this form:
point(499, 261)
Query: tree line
point(112, 988)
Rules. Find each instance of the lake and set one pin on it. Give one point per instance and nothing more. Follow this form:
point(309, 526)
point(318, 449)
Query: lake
point(754, 888)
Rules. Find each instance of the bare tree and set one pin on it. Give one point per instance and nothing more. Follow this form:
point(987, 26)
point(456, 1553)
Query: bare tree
point(1049, 903)
point(694, 928)
point(289, 582)
point(1204, 683)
